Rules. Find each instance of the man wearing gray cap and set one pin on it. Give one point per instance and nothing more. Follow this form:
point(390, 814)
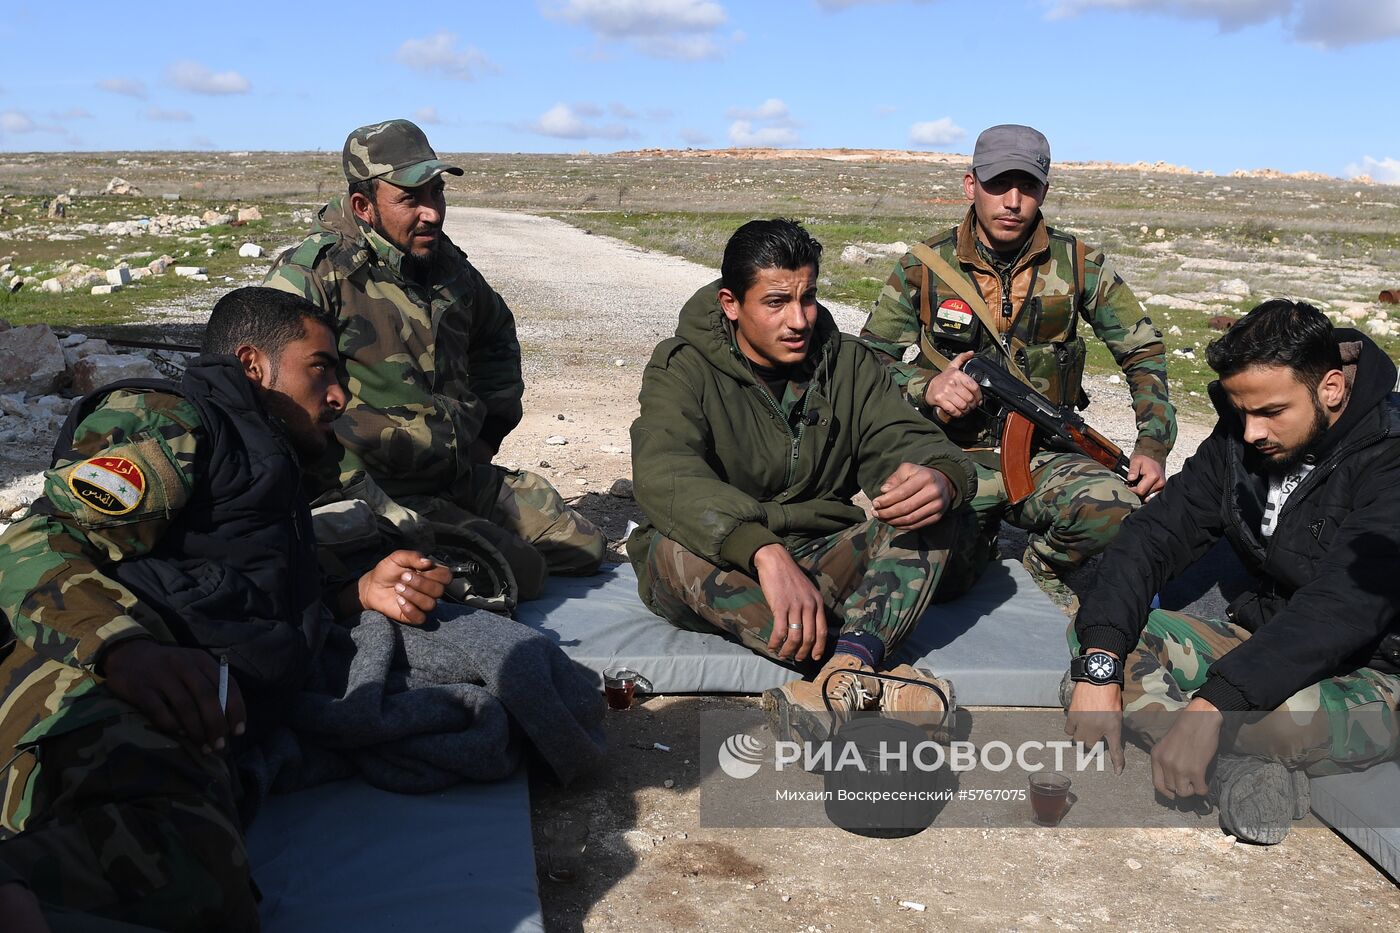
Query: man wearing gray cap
point(1007, 288)
point(432, 365)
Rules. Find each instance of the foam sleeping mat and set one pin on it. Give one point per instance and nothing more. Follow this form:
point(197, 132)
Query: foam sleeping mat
point(1365, 808)
point(346, 856)
point(1003, 644)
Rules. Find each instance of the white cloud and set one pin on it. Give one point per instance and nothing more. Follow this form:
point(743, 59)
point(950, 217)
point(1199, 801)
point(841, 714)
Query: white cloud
point(683, 30)
point(847, 4)
point(771, 109)
point(438, 55)
point(428, 115)
point(1385, 170)
point(127, 87)
point(162, 115)
point(192, 76)
point(694, 137)
point(1323, 23)
point(12, 121)
point(940, 132)
point(744, 133)
point(564, 122)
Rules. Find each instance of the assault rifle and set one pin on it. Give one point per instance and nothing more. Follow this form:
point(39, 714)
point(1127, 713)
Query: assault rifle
point(1026, 410)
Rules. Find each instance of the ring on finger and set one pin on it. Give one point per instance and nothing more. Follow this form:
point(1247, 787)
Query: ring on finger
point(794, 626)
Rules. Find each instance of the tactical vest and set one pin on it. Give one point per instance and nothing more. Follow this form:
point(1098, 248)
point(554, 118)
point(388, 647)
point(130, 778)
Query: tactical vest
point(236, 572)
point(1043, 338)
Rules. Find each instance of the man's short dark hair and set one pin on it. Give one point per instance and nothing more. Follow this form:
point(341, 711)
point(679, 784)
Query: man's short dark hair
point(367, 187)
point(1278, 333)
point(266, 318)
point(766, 244)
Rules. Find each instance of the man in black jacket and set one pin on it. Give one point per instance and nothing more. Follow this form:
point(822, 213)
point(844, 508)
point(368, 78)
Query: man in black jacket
point(1302, 476)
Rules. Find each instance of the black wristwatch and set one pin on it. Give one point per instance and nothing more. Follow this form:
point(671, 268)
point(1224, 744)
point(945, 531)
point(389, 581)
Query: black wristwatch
point(1097, 668)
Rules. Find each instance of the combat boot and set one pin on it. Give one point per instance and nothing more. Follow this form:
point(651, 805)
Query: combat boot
point(1045, 577)
point(931, 710)
point(797, 711)
point(1258, 800)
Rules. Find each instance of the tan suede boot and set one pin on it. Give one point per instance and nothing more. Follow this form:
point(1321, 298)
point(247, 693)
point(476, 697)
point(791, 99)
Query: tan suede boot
point(797, 712)
point(918, 704)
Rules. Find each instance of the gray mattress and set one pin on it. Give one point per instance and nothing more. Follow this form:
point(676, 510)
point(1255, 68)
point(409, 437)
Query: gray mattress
point(1003, 644)
point(1365, 807)
point(346, 856)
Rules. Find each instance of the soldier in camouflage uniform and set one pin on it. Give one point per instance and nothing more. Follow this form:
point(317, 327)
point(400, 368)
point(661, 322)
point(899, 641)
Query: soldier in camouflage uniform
point(1302, 476)
point(1036, 284)
point(172, 527)
point(431, 359)
point(759, 421)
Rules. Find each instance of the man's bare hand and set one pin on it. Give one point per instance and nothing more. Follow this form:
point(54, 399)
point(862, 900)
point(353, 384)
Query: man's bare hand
point(953, 392)
point(405, 586)
point(178, 688)
point(1096, 714)
point(799, 620)
point(1145, 476)
point(914, 496)
point(1180, 760)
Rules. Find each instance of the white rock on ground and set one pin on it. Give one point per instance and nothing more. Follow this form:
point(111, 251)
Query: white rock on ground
point(250, 251)
point(30, 360)
point(105, 289)
point(119, 276)
point(189, 272)
point(249, 213)
point(91, 372)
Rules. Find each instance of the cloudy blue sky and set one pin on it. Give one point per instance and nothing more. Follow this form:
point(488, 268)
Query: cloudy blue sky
point(1212, 84)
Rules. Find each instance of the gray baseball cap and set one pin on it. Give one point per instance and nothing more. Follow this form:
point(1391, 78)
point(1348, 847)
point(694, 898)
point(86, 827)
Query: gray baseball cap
point(1011, 147)
point(396, 151)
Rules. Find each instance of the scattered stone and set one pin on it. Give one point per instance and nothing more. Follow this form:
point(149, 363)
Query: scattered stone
point(912, 905)
point(30, 360)
point(1224, 843)
point(545, 464)
point(170, 196)
point(105, 289)
point(121, 186)
point(209, 252)
point(201, 277)
point(1134, 864)
point(72, 352)
point(15, 284)
point(560, 416)
point(140, 273)
point(189, 272)
point(556, 440)
point(58, 207)
point(158, 266)
point(621, 489)
point(786, 898)
point(668, 783)
point(1159, 233)
point(1237, 287)
point(51, 285)
point(119, 276)
point(580, 482)
point(91, 372)
point(1115, 379)
point(250, 251)
point(1174, 331)
point(619, 363)
point(214, 218)
point(72, 340)
point(247, 214)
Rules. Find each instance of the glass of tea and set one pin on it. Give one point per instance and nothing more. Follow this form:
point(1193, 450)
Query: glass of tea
point(620, 684)
point(564, 842)
point(1049, 797)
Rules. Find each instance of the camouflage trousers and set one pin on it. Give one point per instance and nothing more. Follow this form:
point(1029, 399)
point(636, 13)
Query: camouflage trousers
point(526, 519)
point(873, 580)
point(102, 815)
point(1339, 724)
point(1073, 514)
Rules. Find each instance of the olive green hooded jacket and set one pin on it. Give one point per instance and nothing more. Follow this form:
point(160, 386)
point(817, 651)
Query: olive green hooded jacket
point(718, 467)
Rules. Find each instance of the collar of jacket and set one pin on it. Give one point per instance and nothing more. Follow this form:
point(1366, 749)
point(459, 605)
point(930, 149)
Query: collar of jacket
point(704, 326)
point(1371, 375)
point(967, 244)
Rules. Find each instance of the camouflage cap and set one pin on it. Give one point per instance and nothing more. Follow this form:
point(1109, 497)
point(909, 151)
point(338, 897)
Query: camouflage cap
point(396, 151)
point(1010, 147)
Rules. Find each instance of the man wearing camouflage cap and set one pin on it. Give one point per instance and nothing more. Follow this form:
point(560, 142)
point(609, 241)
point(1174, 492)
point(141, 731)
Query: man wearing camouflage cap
point(431, 359)
point(1034, 283)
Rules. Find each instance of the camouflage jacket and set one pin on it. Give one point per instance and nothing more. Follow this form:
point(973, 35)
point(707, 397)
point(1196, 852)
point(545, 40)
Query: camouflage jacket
point(143, 486)
point(430, 369)
point(1055, 281)
point(723, 467)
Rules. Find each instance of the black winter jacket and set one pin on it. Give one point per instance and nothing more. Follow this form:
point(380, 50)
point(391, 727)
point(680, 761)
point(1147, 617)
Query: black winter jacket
point(1327, 590)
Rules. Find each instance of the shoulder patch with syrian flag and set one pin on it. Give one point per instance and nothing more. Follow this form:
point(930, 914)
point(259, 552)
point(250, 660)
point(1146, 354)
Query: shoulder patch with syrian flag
point(111, 485)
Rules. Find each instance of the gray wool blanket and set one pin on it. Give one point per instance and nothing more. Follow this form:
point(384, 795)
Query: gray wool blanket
point(417, 709)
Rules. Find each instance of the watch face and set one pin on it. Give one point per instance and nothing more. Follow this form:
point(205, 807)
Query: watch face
point(1099, 666)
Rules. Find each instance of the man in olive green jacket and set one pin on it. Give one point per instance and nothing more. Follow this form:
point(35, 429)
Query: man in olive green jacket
point(759, 422)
